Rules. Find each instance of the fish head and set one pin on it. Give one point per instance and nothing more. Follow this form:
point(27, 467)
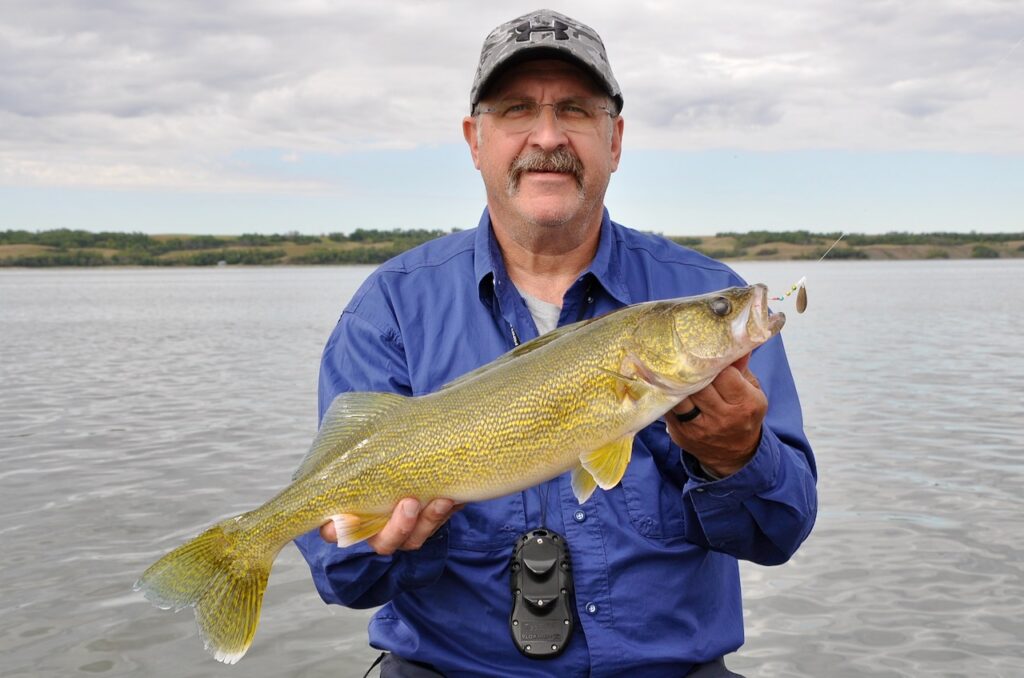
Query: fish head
point(698, 337)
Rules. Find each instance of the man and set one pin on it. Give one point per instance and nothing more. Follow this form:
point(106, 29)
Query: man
point(728, 474)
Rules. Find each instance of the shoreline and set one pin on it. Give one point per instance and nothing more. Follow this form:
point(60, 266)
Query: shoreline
point(82, 249)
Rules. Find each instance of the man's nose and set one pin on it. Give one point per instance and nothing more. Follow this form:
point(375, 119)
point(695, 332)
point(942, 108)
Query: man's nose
point(547, 131)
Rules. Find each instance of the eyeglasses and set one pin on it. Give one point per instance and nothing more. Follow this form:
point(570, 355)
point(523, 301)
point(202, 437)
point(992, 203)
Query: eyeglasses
point(520, 115)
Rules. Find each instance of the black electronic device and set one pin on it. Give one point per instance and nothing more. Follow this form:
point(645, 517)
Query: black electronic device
point(542, 597)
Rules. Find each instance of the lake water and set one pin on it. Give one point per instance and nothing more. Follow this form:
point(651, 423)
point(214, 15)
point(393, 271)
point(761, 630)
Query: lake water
point(138, 406)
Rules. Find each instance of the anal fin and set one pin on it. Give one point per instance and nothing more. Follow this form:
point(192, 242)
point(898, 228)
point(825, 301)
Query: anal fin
point(353, 528)
point(608, 464)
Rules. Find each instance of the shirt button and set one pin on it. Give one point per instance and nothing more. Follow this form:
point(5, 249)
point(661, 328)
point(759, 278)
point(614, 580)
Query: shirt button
point(591, 608)
point(579, 516)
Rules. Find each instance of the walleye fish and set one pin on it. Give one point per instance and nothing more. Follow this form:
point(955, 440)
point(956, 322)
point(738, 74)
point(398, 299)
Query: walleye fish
point(570, 400)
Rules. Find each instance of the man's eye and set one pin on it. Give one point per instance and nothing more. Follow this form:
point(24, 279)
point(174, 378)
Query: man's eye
point(516, 110)
point(573, 110)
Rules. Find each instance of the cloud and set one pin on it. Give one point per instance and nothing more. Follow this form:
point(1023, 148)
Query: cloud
point(127, 93)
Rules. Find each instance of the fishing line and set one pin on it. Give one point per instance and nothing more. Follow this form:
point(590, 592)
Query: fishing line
point(1008, 54)
point(841, 236)
point(800, 286)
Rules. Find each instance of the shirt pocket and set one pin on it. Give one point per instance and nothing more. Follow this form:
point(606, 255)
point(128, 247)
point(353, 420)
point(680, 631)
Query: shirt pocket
point(488, 525)
point(653, 501)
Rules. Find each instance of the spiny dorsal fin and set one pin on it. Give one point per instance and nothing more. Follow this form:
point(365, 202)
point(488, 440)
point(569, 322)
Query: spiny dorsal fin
point(519, 351)
point(346, 422)
point(608, 464)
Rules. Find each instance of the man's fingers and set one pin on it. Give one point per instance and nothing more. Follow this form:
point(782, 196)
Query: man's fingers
point(432, 517)
point(328, 533)
point(684, 406)
point(408, 528)
point(397, 530)
point(752, 378)
point(708, 398)
point(741, 364)
point(732, 386)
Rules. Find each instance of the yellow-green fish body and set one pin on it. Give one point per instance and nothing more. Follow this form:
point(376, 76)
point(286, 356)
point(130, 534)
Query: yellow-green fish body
point(570, 400)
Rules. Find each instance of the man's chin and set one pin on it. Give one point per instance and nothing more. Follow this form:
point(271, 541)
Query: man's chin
point(549, 210)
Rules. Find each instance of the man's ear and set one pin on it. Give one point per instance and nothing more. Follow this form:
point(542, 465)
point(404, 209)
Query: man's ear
point(469, 131)
point(617, 126)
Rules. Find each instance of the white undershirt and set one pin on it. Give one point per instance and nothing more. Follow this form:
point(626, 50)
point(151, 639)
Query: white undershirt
point(545, 315)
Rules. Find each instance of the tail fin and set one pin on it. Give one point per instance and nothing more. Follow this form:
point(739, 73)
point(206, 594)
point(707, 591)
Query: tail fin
point(224, 584)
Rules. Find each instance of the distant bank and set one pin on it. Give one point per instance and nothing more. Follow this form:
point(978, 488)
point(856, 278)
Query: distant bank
point(63, 247)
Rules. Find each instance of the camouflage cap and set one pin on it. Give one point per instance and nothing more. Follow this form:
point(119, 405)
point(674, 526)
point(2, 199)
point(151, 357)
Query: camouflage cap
point(541, 34)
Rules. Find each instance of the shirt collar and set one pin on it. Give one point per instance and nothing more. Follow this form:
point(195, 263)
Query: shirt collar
point(487, 262)
point(481, 247)
point(605, 268)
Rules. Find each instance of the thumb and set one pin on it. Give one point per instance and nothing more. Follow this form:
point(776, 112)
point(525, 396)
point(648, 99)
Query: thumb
point(328, 533)
point(751, 377)
point(742, 363)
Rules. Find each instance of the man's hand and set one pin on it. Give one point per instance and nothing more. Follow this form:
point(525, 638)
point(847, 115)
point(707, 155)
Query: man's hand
point(726, 433)
point(410, 526)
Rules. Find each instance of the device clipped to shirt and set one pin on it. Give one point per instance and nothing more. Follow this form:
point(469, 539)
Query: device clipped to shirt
point(542, 595)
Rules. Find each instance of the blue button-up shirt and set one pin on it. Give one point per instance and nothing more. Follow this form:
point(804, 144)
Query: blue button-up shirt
point(654, 558)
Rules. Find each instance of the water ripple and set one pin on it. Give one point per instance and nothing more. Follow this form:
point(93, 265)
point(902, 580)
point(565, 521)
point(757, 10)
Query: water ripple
point(140, 406)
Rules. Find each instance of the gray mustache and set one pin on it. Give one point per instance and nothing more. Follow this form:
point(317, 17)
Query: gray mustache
point(558, 160)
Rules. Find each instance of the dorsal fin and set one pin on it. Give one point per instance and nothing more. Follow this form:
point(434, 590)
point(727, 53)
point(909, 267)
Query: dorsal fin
point(519, 351)
point(346, 422)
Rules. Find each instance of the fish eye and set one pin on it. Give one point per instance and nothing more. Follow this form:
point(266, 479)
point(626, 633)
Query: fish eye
point(720, 306)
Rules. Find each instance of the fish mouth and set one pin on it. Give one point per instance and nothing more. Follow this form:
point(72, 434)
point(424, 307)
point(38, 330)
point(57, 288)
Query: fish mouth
point(760, 325)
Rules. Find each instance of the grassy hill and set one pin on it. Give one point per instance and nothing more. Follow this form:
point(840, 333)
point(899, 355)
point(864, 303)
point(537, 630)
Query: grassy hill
point(64, 247)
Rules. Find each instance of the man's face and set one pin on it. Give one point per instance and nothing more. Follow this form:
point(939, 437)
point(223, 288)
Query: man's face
point(541, 197)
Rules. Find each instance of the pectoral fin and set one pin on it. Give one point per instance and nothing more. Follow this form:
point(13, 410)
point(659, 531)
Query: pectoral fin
point(583, 484)
point(626, 386)
point(353, 528)
point(608, 464)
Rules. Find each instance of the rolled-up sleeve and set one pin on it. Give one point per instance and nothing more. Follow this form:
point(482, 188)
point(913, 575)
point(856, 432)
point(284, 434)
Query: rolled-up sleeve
point(763, 512)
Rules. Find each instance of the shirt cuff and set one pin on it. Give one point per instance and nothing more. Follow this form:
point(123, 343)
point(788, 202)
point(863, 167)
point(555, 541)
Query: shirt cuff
point(756, 476)
point(356, 576)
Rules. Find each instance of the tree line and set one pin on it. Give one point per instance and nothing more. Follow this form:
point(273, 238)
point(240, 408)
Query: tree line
point(65, 238)
point(938, 238)
point(68, 247)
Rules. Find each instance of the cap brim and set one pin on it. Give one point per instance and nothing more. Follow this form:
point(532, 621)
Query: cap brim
point(534, 54)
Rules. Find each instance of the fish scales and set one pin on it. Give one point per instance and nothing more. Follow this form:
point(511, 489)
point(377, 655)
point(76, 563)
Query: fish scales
point(571, 400)
point(471, 455)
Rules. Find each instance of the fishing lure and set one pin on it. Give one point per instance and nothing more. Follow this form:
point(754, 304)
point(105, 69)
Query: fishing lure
point(800, 286)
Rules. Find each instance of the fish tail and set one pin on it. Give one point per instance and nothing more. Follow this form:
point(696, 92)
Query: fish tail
point(220, 576)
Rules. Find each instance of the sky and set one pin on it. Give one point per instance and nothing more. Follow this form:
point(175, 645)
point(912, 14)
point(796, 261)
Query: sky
point(316, 116)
